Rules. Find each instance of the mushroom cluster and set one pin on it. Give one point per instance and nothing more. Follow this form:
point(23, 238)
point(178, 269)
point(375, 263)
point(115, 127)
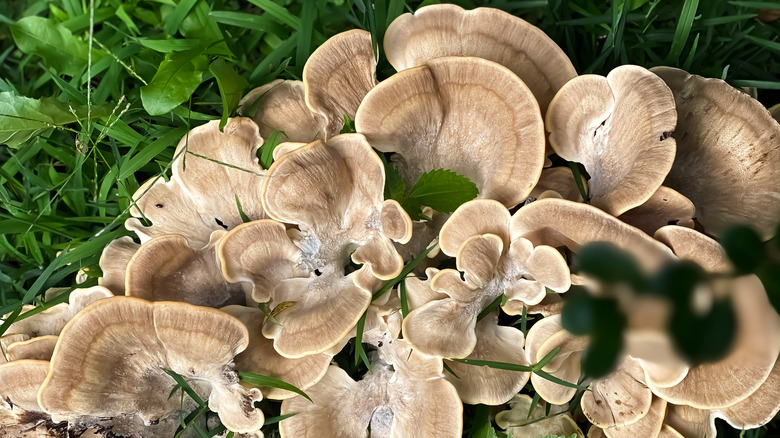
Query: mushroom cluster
point(286, 271)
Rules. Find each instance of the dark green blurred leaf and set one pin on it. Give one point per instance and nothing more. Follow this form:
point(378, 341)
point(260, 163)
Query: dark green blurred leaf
point(58, 47)
point(707, 337)
point(677, 280)
point(178, 76)
point(231, 87)
point(606, 262)
point(743, 247)
point(577, 313)
point(606, 341)
point(769, 273)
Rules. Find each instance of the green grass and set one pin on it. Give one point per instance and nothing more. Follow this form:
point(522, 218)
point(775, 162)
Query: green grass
point(87, 121)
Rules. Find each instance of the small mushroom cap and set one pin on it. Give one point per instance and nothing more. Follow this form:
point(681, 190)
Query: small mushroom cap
point(476, 217)
point(620, 399)
point(692, 245)
point(519, 424)
point(728, 154)
point(658, 357)
point(748, 364)
point(109, 361)
point(40, 348)
point(619, 128)
point(558, 222)
point(113, 263)
point(20, 380)
point(690, 422)
point(468, 115)
point(338, 75)
point(559, 180)
point(208, 161)
point(665, 207)
point(486, 385)
point(759, 408)
point(649, 425)
point(447, 30)
point(261, 358)
point(281, 106)
point(167, 268)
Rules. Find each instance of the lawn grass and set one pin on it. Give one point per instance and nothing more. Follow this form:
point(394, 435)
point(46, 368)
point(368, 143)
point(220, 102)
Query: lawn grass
point(85, 118)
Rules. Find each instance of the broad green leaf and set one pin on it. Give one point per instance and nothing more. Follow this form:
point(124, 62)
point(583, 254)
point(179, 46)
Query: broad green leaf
point(443, 190)
point(58, 47)
point(743, 247)
point(22, 118)
point(267, 149)
point(170, 45)
point(199, 25)
point(178, 76)
point(231, 87)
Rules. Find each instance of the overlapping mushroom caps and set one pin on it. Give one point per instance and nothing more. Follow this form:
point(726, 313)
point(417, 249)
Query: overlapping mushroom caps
point(619, 127)
point(521, 422)
point(213, 172)
point(20, 414)
point(335, 79)
point(468, 115)
point(404, 395)
point(438, 31)
point(728, 153)
point(110, 358)
point(333, 193)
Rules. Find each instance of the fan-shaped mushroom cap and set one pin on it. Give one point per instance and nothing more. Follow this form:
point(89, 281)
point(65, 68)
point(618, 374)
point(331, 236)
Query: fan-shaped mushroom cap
point(665, 207)
point(558, 222)
point(20, 380)
point(447, 30)
point(759, 407)
point(692, 245)
point(419, 292)
point(281, 106)
point(207, 162)
point(657, 355)
point(649, 425)
point(487, 385)
point(728, 154)
point(476, 217)
point(39, 348)
point(559, 180)
point(544, 336)
point(338, 75)
point(520, 424)
point(619, 128)
point(690, 422)
point(748, 364)
point(167, 268)
point(261, 358)
point(113, 263)
point(468, 115)
point(620, 399)
point(109, 361)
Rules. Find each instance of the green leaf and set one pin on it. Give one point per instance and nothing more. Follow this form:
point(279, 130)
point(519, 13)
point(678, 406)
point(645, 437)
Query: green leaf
point(443, 190)
point(394, 183)
point(22, 118)
point(50, 40)
point(267, 149)
point(231, 87)
point(610, 264)
point(270, 382)
point(683, 30)
point(743, 247)
point(178, 76)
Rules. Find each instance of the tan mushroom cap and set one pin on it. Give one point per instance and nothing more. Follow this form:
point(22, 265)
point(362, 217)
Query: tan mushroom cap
point(40, 348)
point(20, 380)
point(559, 180)
point(338, 75)
point(692, 245)
point(690, 422)
point(419, 291)
point(187, 204)
point(558, 222)
point(486, 385)
point(113, 263)
point(665, 207)
point(468, 115)
point(649, 425)
point(565, 365)
point(658, 357)
point(516, 420)
point(261, 358)
point(755, 349)
point(728, 154)
point(620, 399)
point(619, 128)
point(759, 408)
point(447, 30)
point(281, 106)
point(109, 361)
point(167, 268)
point(476, 217)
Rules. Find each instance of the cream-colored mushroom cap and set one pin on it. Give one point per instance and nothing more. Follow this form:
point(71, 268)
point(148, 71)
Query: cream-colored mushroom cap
point(39, 348)
point(665, 207)
point(109, 361)
point(619, 399)
point(650, 425)
point(759, 408)
point(20, 380)
point(113, 262)
point(448, 30)
point(520, 424)
point(280, 106)
point(468, 115)
point(619, 127)
point(211, 168)
point(728, 154)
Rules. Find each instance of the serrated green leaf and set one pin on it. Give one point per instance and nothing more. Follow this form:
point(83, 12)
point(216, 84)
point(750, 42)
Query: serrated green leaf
point(178, 76)
point(50, 40)
point(443, 190)
point(231, 87)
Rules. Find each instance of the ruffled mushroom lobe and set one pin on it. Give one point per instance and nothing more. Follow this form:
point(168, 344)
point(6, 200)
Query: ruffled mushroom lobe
point(728, 154)
point(469, 115)
point(665, 207)
point(110, 357)
point(619, 128)
point(207, 161)
point(113, 262)
point(281, 106)
point(520, 424)
point(447, 30)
